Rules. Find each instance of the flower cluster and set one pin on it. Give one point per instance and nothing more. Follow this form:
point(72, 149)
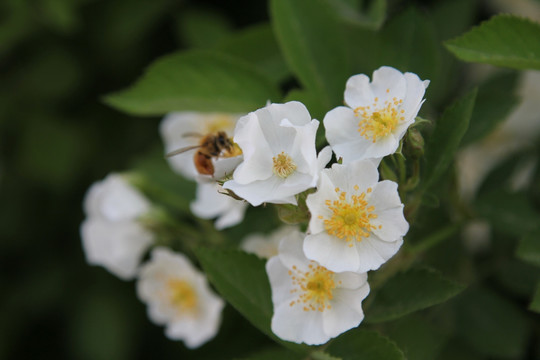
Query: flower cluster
point(114, 237)
point(356, 222)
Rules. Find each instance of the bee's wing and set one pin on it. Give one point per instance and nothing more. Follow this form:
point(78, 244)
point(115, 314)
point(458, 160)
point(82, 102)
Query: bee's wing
point(182, 150)
point(192, 134)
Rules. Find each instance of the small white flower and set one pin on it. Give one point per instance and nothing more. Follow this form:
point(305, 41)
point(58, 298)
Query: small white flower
point(111, 236)
point(280, 161)
point(182, 129)
point(210, 203)
point(311, 303)
point(377, 116)
point(178, 296)
point(266, 246)
point(356, 223)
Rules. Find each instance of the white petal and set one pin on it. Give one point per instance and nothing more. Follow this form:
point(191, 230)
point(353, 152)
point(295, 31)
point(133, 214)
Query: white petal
point(291, 323)
point(345, 313)
point(358, 91)
point(291, 251)
point(373, 252)
point(416, 89)
point(331, 252)
point(280, 281)
point(257, 164)
point(118, 247)
point(351, 280)
point(233, 216)
point(114, 199)
point(324, 157)
point(388, 83)
point(392, 222)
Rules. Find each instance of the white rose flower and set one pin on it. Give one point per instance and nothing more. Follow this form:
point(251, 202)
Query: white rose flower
point(183, 129)
point(280, 160)
point(377, 116)
point(111, 236)
point(356, 223)
point(266, 246)
point(311, 303)
point(178, 296)
point(210, 203)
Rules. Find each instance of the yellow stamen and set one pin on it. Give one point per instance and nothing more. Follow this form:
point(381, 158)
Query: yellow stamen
point(314, 287)
point(351, 217)
point(182, 296)
point(284, 165)
point(380, 122)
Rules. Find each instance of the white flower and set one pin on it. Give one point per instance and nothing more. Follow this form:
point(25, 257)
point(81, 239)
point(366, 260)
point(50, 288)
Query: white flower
point(178, 296)
point(311, 303)
point(280, 161)
point(182, 129)
point(111, 236)
point(210, 203)
point(356, 223)
point(266, 246)
point(377, 116)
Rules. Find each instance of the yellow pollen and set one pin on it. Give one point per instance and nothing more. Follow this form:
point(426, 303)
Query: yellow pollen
point(314, 288)
point(284, 165)
point(351, 217)
point(380, 122)
point(220, 122)
point(182, 296)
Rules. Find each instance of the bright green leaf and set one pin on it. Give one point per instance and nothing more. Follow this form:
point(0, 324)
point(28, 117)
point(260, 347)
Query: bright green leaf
point(491, 324)
point(529, 247)
point(410, 291)
point(241, 279)
point(196, 80)
point(361, 344)
point(496, 99)
point(446, 137)
point(311, 39)
point(504, 40)
point(257, 45)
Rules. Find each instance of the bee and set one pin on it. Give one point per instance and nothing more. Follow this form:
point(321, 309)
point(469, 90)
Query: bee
point(213, 145)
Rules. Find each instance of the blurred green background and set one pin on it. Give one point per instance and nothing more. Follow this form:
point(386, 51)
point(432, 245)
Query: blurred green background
point(57, 59)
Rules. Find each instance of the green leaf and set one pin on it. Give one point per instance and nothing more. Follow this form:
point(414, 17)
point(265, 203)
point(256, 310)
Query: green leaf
point(410, 291)
point(491, 324)
point(196, 80)
point(407, 42)
point(535, 302)
point(241, 279)
point(503, 40)
point(529, 247)
point(257, 45)
point(510, 213)
point(362, 344)
point(273, 354)
point(419, 338)
point(202, 28)
point(311, 39)
point(444, 141)
point(372, 18)
point(496, 99)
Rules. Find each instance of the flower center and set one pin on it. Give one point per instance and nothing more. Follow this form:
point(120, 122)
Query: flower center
point(284, 165)
point(380, 122)
point(314, 287)
point(182, 296)
point(351, 218)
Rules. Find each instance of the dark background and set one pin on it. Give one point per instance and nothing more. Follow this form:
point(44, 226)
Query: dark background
point(57, 58)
